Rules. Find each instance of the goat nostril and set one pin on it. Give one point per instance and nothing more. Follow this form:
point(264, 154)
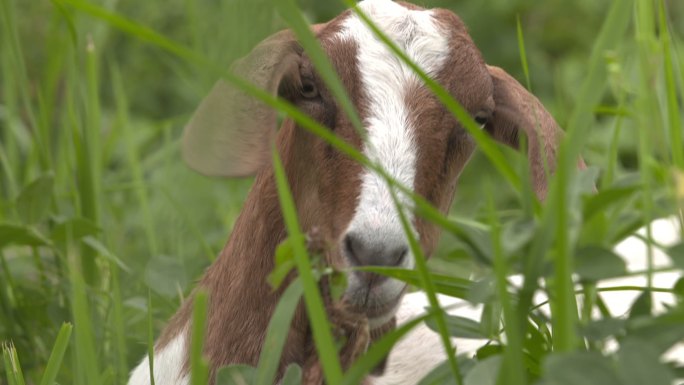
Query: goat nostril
point(353, 249)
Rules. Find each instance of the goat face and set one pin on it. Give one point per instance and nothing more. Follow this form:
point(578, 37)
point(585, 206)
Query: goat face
point(408, 132)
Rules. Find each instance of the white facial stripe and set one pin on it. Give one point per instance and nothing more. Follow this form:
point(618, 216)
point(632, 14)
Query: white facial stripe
point(385, 81)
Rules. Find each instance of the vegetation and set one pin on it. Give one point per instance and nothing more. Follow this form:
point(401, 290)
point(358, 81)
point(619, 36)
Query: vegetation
point(103, 230)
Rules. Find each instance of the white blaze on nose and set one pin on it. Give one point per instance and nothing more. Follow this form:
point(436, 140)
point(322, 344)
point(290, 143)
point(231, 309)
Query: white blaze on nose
point(385, 82)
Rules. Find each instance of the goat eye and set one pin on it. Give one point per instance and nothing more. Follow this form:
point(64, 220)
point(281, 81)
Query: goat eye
point(481, 118)
point(309, 89)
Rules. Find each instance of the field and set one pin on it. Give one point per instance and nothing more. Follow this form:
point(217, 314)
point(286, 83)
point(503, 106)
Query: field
point(104, 230)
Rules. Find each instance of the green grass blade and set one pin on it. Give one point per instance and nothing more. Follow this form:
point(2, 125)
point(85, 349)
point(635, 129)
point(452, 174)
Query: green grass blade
point(199, 370)
point(55, 361)
point(138, 30)
point(276, 336)
point(150, 336)
point(325, 344)
point(289, 12)
point(15, 376)
point(523, 53)
point(513, 372)
point(673, 106)
point(429, 287)
point(486, 144)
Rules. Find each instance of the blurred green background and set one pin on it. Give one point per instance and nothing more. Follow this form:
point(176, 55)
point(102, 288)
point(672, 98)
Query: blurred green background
point(81, 100)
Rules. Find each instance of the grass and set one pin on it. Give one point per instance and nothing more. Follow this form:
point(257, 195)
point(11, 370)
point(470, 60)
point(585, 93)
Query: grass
point(103, 231)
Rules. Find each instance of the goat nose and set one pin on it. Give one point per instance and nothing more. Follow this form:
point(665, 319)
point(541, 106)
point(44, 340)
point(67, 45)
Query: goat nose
point(362, 252)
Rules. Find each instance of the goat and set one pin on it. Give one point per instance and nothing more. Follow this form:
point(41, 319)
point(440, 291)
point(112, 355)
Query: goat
point(421, 350)
point(409, 133)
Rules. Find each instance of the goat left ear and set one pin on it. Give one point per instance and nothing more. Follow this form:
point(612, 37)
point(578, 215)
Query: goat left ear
point(230, 132)
point(518, 110)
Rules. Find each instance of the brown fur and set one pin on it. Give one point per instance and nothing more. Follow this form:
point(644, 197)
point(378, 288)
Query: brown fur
point(326, 184)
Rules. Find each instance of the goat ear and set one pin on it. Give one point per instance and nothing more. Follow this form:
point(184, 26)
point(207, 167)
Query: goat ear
point(230, 132)
point(518, 110)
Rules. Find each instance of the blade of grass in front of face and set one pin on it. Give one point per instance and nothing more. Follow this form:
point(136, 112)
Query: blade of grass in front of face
point(379, 350)
point(276, 334)
point(199, 370)
point(485, 143)
point(279, 104)
point(673, 106)
point(513, 372)
point(325, 343)
point(54, 363)
point(429, 287)
point(288, 10)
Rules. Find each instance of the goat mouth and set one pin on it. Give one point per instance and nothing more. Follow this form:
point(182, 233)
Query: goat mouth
point(374, 305)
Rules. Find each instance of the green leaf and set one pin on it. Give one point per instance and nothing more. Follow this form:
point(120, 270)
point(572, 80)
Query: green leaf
point(445, 284)
point(442, 375)
point(579, 368)
point(284, 263)
point(661, 332)
point(235, 375)
point(292, 376)
point(33, 203)
point(605, 198)
point(21, 236)
point(639, 363)
point(676, 254)
point(101, 249)
point(166, 275)
point(594, 263)
point(642, 306)
point(460, 327)
point(484, 372)
point(476, 236)
point(338, 284)
point(516, 233)
point(55, 361)
point(73, 229)
point(678, 289)
point(603, 328)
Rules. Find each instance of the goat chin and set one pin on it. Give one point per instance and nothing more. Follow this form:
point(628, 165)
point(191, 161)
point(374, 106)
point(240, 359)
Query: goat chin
point(421, 350)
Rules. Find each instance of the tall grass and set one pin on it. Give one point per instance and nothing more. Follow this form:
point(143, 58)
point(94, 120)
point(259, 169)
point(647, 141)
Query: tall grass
point(102, 227)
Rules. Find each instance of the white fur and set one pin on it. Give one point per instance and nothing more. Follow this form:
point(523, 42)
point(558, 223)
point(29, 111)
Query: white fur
point(390, 134)
point(422, 350)
point(168, 363)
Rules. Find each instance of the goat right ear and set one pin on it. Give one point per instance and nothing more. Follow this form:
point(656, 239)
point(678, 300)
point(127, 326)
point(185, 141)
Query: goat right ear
point(516, 111)
point(230, 132)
